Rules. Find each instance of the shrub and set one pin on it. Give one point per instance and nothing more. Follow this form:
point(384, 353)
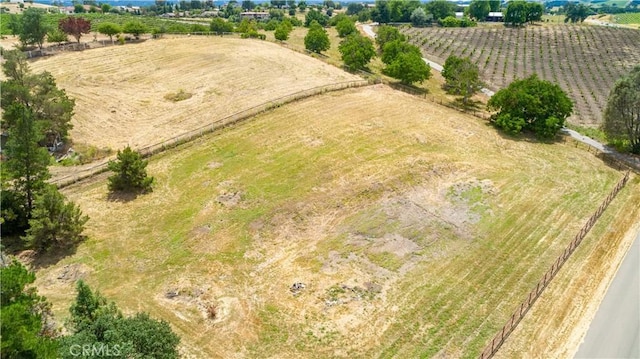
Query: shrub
point(55, 222)
point(130, 172)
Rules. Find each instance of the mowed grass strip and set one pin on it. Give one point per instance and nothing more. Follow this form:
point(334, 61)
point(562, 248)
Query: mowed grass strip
point(333, 191)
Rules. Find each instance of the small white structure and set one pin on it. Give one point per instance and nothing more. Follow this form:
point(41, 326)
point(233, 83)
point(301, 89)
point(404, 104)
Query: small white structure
point(495, 17)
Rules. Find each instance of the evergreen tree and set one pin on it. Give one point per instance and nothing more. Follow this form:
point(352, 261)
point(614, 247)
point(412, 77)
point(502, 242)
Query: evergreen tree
point(24, 328)
point(130, 172)
point(27, 162)
point(55, 223)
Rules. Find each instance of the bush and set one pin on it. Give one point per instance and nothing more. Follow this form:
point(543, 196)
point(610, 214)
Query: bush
point(220, 26)
point(450, 21)
point(130, 172)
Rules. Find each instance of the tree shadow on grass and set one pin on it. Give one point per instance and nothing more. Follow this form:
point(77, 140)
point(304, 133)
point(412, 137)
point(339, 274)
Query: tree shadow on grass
point(469, 106)
point(124, 196)
point(411, 89)
point(53, 256)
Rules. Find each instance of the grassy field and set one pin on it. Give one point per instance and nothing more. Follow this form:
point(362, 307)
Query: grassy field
point(627, 18)
point(123, 93)
point(584, 60)
point(415, 229)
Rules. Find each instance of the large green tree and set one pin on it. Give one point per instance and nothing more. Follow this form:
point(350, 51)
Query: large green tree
point(441, 9)
point(622, 115)
point(531, 104)
point(408, 68)
point(576, 12)
point(110, 29)
point(317, 39)
point(392, 49)
point(356, 51)
point(419, 17)
point(24, 328)
point(479, 9)
point(37, 94)
point(386, 34)
point(380, 12)
point(346, 27)
point(317, 16)
point(461, 77)
point(55, 223)
point(130, 172)
point(135, 28)
point(516, 14)
point(31, 28)
point(26, 164)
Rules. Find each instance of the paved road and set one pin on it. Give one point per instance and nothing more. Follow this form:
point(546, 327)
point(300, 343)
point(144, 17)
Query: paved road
point(615, 330)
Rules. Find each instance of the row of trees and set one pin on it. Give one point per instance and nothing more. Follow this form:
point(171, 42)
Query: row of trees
point(95, 327)
point(31, 28)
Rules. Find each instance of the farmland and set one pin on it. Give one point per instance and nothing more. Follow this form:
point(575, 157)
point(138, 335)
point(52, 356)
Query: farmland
point(584, 60)
point(124, 93)
point(627, 18)
point(415, 229)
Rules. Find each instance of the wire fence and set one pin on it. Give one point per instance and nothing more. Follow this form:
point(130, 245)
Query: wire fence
point(535, 293)
point(217, 124)
point(619, 161)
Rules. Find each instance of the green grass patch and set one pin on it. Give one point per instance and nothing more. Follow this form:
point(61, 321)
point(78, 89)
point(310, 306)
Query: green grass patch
point(627, 18)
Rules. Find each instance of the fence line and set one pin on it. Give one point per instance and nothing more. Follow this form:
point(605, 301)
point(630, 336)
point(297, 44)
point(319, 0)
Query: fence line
point(497, 341)
point(614, 159)
point(210, 127)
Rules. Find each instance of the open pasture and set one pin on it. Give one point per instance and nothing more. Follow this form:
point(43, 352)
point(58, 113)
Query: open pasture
point(627, 18)
point(584, 60)
point(141, 94)
point(415, 229)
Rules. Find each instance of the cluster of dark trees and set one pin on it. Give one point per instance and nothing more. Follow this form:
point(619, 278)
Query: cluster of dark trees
point(400, 11)
point(521, 12)
point(36, 113)
point(95, 328)
point(575, 12)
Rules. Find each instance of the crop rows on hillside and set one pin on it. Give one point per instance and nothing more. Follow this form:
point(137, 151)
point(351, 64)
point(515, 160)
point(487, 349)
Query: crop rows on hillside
point(584, 60)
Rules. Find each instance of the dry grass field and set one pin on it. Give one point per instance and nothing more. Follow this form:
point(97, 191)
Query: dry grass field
point(125, 94)
point(584, 60)
point(415, 229)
